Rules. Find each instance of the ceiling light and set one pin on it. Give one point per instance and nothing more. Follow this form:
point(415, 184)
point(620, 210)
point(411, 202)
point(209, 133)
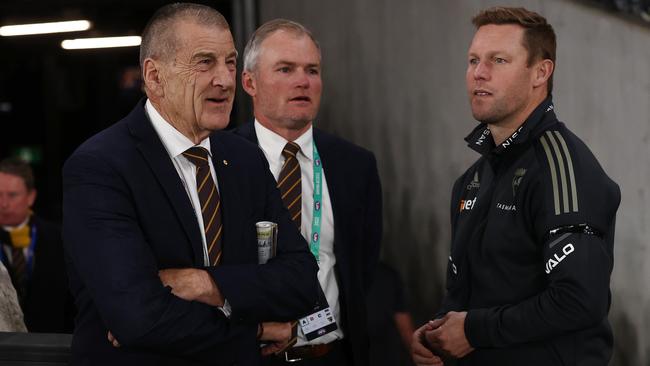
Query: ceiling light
point(104, 42)
point(43, 28)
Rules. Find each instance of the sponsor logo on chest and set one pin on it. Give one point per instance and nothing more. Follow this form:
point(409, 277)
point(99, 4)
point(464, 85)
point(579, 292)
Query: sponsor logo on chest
point(466, 205)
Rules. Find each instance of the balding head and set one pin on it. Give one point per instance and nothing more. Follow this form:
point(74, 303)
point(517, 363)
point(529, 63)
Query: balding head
point(159, 39)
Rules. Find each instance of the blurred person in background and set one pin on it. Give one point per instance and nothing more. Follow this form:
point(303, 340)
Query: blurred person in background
point(390, 324)
point(32, 252)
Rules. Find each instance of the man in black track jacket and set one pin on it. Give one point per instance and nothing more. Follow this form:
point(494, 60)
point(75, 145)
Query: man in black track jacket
point(532, 219)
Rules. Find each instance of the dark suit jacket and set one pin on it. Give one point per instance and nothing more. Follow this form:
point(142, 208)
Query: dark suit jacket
point(126, 215)
point(47, 305)
point(355, 193)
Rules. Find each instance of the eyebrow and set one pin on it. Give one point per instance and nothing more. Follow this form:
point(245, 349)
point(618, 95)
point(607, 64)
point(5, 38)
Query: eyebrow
point(289, 63)
point(212, 55)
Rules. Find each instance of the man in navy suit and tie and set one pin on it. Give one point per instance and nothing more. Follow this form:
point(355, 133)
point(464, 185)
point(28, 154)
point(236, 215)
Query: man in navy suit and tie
point(330, 187)
point(160, 213)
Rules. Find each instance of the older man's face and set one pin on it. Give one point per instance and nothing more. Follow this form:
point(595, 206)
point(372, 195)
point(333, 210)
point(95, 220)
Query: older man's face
point(199, 82)
point(15, 200)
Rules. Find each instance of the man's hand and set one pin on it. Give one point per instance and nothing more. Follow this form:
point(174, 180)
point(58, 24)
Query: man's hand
point(112, 340)
point(419, 351)
point(448, 335)
point(193, 285)
point(277, 336)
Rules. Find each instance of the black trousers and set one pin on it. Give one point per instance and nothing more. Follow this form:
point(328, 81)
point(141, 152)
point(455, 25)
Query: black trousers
point(338, 356)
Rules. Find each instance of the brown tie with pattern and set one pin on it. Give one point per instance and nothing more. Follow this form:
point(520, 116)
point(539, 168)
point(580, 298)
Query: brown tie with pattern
point(210, 202)
point(289, 182)
point(290, 185)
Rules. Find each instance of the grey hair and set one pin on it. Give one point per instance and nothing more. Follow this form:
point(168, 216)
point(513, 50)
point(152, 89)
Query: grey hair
point(253, 47)
point(159, 38)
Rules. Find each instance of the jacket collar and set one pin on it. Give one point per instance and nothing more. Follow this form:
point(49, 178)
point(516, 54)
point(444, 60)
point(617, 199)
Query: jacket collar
point(153, 151)
point(480, 139)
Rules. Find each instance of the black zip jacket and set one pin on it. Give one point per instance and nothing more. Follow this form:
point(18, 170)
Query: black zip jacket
point(532, 248)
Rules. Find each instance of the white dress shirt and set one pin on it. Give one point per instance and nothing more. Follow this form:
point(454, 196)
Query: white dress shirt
point(176, 143)
point(272, 145)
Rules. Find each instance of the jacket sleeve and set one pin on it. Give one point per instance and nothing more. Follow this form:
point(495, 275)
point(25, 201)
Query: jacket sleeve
point(286, 287)
point(576, 262)
point(109, 252)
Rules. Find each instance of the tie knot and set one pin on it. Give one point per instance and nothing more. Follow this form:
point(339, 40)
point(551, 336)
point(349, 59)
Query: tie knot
point(197, 155)
point(290, 149)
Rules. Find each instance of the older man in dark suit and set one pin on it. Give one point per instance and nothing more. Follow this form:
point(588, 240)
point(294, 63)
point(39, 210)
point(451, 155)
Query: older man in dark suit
point(160, 213)
point(330, 186)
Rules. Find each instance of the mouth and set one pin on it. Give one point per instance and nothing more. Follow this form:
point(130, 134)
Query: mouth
point(481, 93)
point(220, 100)
point(301, 99)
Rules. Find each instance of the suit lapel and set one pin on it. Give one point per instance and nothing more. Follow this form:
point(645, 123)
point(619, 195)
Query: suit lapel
point(228, 192)
point(153, 151)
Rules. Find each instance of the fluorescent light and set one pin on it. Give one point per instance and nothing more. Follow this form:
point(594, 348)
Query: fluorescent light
point(104, 42)
point(42, 28)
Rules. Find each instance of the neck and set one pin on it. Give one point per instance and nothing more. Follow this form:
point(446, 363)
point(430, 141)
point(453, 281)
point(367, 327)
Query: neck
point(17, 225)
point(192, 133)
point(288, 133)
point(503, 129)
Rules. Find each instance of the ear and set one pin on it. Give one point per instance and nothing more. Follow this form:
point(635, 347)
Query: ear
point(248, 83)
point(543, 71)
point(31, 197)
point(151, 74)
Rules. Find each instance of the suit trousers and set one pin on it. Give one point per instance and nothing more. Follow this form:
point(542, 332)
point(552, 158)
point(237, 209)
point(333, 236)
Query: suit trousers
point(339, 355)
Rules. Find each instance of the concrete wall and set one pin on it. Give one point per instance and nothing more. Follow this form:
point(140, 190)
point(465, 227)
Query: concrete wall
point(394, 83)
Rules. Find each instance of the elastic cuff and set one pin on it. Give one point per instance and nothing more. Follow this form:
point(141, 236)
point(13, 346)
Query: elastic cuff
point(477, 330)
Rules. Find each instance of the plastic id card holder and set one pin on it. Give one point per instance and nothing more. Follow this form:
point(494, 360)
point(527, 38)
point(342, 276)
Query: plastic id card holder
point(318, 324)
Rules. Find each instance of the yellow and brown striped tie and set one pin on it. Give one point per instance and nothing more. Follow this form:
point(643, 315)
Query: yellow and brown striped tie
point(290, 185)
point(289, 182)
point(210, 202)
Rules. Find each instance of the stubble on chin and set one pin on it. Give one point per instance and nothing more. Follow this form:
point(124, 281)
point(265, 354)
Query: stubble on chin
point(295, 123)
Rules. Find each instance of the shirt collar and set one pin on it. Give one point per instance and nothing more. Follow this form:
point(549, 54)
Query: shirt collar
point(480, 139)
point(273, 144)
point(175, 142)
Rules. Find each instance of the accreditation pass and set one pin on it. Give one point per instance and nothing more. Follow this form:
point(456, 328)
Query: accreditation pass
point(318, 324)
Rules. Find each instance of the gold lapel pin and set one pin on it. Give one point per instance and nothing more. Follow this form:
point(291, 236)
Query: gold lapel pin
point(225, 162)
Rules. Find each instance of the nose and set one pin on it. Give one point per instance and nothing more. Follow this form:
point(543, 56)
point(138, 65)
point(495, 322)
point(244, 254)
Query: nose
point(302, 79)
point(481, 71)
point(223, 77)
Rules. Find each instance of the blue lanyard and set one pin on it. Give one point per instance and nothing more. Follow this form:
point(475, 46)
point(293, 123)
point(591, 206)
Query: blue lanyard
point(29, 259)
point(314, 244)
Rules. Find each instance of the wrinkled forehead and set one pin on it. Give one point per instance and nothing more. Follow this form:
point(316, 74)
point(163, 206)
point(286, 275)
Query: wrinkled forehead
point(190, 35)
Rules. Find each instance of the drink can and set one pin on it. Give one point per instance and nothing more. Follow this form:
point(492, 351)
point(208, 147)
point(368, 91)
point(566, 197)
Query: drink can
point(267, 236)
